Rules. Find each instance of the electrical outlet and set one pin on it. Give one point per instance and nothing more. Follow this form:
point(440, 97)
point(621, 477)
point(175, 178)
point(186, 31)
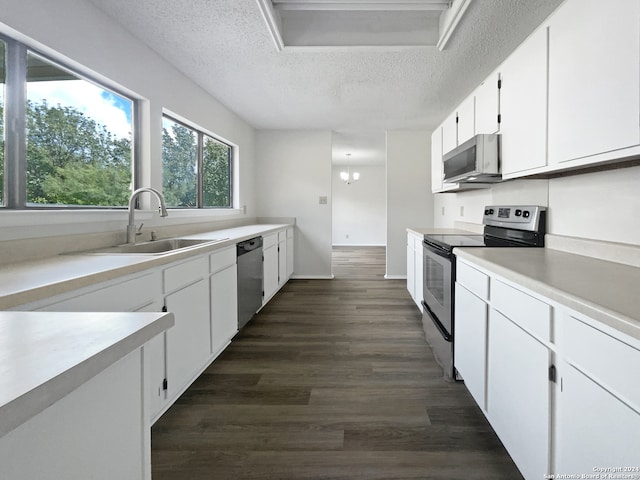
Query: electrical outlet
point(322, 200)
point(443, 211)
point(462, 210)
point(346, 236)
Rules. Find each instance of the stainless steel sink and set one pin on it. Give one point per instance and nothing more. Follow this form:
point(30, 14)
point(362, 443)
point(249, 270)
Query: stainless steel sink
point(156, 247)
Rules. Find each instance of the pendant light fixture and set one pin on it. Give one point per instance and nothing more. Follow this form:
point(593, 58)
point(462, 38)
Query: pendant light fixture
point(346, 176)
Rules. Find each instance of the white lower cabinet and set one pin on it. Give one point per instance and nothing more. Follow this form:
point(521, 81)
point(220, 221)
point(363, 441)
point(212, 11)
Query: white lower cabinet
point(156, 373)
point(505, 368)
point(560, 406)
point(470, 353)
point(277, 254)
point(188, 346)
point(97, 431)
point(290, 250)
point(282, 258)
point(415, 275)
point(270, 266)
point(598, 418)
point(224, 299)
point(518, 394)
point(202, 294)
point(594, 428)
point(419, 274)
point(411, 268)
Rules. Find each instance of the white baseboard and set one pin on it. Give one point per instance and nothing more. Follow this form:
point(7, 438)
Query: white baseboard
point(395, 277)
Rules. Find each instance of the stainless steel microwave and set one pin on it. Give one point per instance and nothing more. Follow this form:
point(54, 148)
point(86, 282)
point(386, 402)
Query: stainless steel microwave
point(475, 161)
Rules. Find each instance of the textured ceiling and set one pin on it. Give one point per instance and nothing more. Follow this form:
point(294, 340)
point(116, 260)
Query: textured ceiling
point(225, 47)
point(364, 147)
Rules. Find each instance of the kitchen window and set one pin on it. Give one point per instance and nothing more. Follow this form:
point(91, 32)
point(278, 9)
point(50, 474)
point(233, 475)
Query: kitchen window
point(196, 167)
point(74, 139)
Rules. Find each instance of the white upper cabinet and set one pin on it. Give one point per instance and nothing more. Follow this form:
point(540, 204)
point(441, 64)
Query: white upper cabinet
point(487, 98)
point(450, 133)
point(436, 159)
point(466, 119)
point(437, 168)
point(569, 96)
point(594, 78)
point(523, 106)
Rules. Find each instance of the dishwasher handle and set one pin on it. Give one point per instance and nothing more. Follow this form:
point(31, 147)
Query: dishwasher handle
point(249, 245)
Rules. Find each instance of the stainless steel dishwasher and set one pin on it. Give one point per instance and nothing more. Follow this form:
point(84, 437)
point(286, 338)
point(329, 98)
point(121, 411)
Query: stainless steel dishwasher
point(249, 279)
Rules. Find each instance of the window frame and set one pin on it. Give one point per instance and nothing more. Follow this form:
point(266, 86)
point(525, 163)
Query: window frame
point(200, 134)
point(15, 127)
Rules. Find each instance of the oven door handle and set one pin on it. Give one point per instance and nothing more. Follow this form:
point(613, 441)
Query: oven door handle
point(436, 249)
point(443, 331)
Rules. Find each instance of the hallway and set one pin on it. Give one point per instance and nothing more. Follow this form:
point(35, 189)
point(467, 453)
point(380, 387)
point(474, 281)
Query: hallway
point(332, 380)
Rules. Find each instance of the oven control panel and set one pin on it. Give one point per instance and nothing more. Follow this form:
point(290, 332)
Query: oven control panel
point(522, 217)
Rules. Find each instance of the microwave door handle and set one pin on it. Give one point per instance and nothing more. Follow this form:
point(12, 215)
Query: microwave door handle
point(443, 331)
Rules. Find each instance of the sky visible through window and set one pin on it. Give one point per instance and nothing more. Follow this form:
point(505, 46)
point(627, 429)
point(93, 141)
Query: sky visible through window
point(106, 108)
point(79, 139)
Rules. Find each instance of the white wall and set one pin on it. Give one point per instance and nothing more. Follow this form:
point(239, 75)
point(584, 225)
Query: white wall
point(599, 206)
point(359, 215)
point(293, 170)
point(81, 35)
point(409, 197)
point(452, 209)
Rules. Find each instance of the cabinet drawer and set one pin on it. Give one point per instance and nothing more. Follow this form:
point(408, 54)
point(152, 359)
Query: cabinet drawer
point(269, 240)
point(606, 360)
point(282, 236)
point(531, 314)
point(474, 280)
point(128, 296)
point(222, 259)
point(185, 273)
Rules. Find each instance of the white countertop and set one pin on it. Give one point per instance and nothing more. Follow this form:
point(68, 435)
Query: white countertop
point(27, 282)
point(605, 291)
point(44, 356)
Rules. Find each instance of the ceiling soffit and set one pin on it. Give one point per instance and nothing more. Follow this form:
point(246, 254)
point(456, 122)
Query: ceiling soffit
point(299, 24)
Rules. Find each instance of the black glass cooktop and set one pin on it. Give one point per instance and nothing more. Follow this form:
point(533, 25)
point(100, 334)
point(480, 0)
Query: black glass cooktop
point(448, 242)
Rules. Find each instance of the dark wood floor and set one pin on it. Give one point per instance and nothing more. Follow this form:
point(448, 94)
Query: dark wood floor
point(332, 380)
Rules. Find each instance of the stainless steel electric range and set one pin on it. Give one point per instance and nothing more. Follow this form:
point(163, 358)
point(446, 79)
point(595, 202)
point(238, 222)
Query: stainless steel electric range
point(504, 226)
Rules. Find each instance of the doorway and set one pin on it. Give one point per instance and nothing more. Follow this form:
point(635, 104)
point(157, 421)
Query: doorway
point(358, 216)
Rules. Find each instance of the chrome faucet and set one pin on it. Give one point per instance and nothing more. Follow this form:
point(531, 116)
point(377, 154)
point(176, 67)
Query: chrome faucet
point(131, 227)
